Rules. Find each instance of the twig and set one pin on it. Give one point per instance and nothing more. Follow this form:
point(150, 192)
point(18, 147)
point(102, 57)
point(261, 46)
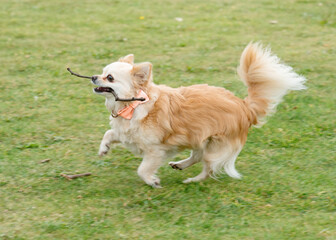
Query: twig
point(78, 75)
point(45, 160)
point(111, 91)
point(70, 177)
point(126, 99)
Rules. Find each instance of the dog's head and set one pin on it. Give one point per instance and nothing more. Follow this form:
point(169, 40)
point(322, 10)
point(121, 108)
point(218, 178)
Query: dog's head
point(123, 77)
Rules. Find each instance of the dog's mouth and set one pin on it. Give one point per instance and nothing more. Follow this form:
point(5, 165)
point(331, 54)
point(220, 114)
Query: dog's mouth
point(103, 89)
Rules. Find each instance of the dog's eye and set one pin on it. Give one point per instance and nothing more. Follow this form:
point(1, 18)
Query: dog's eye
point(110, 78)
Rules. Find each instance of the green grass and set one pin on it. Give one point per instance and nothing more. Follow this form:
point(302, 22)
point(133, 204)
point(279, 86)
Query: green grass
point(289, 167)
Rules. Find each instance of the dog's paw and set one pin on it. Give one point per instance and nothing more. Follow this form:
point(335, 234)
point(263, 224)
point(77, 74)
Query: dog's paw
point(101, 154)
point(175, 165)
point(103, 149)
point(154, 181)
point(156, 185)
point(189, 180)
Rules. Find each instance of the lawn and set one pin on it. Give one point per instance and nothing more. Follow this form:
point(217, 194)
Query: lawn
point(288, 189)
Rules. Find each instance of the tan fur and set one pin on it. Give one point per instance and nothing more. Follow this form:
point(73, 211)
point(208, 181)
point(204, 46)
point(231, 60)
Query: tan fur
point(188, 116)
point(209, 120)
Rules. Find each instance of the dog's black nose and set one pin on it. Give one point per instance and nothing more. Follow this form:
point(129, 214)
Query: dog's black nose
point(94, 78)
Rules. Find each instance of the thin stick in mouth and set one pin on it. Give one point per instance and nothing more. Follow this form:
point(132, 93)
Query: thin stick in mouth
point(78, 75)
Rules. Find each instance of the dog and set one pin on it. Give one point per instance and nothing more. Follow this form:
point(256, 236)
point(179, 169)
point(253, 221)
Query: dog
point(210, 121)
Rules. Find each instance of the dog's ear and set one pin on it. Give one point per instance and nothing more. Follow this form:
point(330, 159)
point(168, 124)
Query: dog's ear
point(142, 72)
point(127, 59)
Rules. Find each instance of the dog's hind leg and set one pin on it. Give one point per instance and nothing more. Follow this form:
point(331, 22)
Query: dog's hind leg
point(222, 156)
point(150, 164)
point(219, 155)
point(195, 157)
point(224, 161)
point(203, 175)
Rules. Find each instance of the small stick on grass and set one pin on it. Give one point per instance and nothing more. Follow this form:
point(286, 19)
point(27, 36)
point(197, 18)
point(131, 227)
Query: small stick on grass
point(70, 177)
point(45, 160)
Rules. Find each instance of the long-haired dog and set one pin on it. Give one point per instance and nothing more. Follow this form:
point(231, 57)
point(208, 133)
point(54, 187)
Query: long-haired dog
point(210, 121)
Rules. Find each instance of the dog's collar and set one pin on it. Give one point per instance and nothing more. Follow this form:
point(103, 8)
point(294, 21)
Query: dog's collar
point(127, 112)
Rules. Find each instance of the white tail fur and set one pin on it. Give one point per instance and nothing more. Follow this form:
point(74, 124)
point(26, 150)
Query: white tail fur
point(267, 80)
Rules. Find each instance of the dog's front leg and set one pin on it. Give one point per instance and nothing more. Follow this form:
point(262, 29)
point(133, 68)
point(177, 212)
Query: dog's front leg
point(150, 164)
point(109, 137)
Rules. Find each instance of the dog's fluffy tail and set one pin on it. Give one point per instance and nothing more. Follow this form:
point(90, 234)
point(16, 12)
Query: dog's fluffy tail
point(267, 79)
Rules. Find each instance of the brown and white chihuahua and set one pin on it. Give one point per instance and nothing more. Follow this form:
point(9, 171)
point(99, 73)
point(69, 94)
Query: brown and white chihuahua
point(209, 120)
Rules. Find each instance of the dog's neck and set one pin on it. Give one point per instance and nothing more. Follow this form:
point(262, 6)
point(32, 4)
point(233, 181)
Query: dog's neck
point(114, 106)
point(152, 93)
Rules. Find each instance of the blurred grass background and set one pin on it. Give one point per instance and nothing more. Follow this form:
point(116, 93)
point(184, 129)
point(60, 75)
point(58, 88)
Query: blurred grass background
point(288, 189)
